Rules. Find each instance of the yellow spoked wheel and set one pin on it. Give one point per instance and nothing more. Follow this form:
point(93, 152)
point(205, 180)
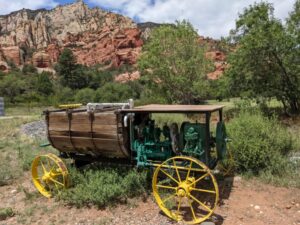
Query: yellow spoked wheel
point(49, 174)
point(185, 189)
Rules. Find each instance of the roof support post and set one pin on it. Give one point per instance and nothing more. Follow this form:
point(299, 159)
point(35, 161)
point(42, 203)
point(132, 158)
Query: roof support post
point(207, 133)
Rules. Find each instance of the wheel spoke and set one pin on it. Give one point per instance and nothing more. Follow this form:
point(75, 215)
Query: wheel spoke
point(168, 175)
point(192, 209)
point(203, 190)
point(200, 178)
point(43, 166)
point(189, 170)
point(179, 205)
point(201, 203)
point(49, 164)
point(181, 168)
point(178, 175)
point(56, 174)
point(57, 182)
point(168, 198)
point(166, 187)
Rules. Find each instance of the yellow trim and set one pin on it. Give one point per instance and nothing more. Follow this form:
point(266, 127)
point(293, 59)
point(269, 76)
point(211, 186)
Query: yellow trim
point(183, 187)
point(54, 175)
point(70, 106)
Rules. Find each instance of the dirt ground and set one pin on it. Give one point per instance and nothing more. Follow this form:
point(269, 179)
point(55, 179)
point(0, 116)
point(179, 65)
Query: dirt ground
point(243, 202)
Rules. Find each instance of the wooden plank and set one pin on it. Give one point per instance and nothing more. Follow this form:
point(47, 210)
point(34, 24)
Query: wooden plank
point(62, 143)
point(107, 144)
point(82, 144)
point(81, 122)
point(83, 134)
point(58, 117)
point(106, 129)
point(105, 118)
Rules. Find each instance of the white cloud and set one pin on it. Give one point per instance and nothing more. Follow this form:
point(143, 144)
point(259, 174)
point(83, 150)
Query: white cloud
point(7, 6)
point(212, 18)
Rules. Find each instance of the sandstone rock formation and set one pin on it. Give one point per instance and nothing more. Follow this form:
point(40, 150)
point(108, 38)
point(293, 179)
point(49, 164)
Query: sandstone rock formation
point(125, 77)
point(220, 64)
point(94, 35)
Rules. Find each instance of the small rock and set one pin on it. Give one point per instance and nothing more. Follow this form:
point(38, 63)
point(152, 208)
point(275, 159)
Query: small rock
point(261, 212)
point(257, 207)
point(237, 178)
point(14, 191)
point(297, 205)
point(251, 205)
point(207, 223)
point(288, 207)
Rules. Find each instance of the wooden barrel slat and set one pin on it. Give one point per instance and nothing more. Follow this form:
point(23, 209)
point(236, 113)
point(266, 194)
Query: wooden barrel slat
point(81, 132)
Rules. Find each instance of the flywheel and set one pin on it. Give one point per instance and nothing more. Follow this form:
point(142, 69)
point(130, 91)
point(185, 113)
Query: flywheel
point(49, 174)
point(185, 189)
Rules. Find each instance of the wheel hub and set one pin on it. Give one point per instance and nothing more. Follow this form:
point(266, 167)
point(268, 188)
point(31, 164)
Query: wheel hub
point(46, 177)
point(184, 187)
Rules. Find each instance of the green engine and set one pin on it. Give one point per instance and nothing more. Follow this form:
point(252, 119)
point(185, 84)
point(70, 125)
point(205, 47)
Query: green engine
point(152, 143)
point(149, 145)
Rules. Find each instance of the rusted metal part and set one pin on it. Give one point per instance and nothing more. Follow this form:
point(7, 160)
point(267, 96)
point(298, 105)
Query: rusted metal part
point(69, 113)
point(92, 119)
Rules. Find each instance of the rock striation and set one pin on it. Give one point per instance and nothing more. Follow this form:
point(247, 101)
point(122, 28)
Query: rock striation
point(94, 35)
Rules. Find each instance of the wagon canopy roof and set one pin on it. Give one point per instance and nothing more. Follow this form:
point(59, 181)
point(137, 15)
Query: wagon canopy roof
point(174, 108)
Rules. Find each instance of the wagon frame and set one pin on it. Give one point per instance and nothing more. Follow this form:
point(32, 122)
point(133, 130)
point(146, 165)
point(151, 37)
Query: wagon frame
point(183, 183)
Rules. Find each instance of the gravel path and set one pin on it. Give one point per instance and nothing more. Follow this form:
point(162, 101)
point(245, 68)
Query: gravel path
point(36, 129)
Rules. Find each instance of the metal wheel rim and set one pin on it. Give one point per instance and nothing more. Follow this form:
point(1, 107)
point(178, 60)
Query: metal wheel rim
point(49, 174)
point(191, 199)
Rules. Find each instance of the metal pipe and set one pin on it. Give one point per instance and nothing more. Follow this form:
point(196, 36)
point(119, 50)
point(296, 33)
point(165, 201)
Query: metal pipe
point(125, 121)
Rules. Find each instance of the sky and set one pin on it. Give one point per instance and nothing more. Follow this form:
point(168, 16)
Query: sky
point(211, 18)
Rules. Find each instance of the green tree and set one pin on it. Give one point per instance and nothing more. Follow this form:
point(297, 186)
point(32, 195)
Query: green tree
point(44, 85)
point(263, 64)
point(174, 64)
point(29, 68)
point(114, 92)
point(71, 74)
point(11, 87)
point(85, 95)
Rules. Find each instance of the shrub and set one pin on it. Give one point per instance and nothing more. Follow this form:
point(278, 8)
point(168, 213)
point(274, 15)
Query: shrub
point(43, 84)
point(63, 95)
point(5, 213)
point(259, 143)
point(29, 68)
point(6, 173)
point(103, 186)
point(114, 92)
point(85, 95)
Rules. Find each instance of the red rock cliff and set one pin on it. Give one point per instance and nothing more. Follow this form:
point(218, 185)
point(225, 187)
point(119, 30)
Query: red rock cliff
point(94, 35)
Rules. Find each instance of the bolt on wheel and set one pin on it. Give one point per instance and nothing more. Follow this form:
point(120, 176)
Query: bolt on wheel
point(49, 174)
point(185, 189)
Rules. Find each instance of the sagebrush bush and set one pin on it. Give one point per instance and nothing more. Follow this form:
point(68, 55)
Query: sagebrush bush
point(259, 143)
point(104, 186)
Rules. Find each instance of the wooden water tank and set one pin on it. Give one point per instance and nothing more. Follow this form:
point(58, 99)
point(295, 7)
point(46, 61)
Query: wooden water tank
point(98, 134)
